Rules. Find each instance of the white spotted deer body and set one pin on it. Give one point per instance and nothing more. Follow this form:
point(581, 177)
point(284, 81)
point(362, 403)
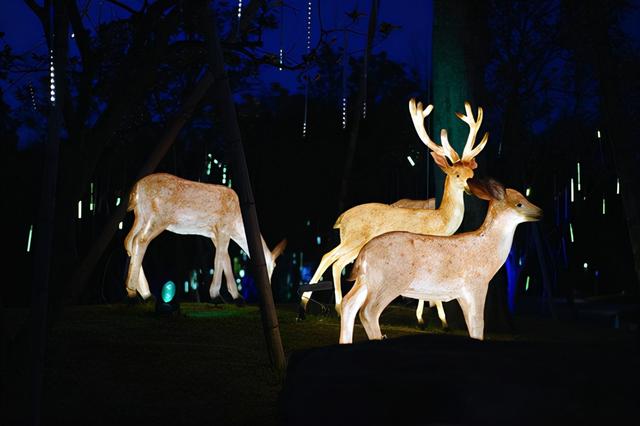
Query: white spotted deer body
point(165, 202)
point(436, 267)
point(361, 223)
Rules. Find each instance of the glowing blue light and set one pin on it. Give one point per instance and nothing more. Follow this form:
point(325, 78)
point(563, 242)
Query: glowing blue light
point(168, 291)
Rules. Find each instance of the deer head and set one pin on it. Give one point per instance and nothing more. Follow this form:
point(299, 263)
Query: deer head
point(508, 201)
point(457, 169)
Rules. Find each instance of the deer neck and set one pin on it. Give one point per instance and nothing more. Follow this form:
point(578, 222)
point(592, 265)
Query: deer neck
point(496, 232)
point(452, 204)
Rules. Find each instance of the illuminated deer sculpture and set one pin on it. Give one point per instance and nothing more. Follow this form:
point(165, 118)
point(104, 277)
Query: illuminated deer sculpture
point(361, 223)
point(436, 267)
point(407, 203)
point(429, 204)
point(165, 202)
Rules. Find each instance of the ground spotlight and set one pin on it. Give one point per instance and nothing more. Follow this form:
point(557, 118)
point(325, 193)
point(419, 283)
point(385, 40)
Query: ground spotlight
point(168, 302)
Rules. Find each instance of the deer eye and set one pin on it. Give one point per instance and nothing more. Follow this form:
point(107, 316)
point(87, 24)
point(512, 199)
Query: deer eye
point(519, 205)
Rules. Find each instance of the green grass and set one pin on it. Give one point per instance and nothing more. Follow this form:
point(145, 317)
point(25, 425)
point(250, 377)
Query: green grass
point(124, 364)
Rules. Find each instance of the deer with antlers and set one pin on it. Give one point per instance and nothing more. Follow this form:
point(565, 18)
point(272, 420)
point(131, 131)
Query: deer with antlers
point(165, 202)
point(437, 267)
point(361, 223)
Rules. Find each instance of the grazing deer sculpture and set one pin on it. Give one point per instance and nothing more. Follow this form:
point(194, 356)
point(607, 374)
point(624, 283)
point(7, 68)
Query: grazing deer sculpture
point(437, 267)
point(165, 202)
point(361, 223)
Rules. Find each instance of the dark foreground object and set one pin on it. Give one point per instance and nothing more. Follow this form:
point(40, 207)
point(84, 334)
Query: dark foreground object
point(451, 380)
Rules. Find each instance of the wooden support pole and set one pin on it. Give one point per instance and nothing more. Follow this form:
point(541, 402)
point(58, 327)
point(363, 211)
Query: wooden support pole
point(231, 132)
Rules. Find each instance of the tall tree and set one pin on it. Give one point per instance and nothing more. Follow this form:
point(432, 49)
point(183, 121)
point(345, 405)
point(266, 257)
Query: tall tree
point(460, 55)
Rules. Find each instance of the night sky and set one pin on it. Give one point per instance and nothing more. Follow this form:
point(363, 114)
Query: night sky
point(410, 43)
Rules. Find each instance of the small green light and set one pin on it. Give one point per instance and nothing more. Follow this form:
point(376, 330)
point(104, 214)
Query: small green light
point(571, 232)
point(168, 291)
point(526, 285)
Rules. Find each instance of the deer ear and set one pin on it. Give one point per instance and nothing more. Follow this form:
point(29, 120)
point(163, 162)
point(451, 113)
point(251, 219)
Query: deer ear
point(440, 160)
point(496, 189)
point(479, 188)
point(277, 250)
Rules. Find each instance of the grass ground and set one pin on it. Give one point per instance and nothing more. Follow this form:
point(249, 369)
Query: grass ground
point(124, 364)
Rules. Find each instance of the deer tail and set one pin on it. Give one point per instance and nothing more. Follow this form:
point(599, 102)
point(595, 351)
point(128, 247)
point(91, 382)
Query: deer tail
point(357, 269)
point(133, 198)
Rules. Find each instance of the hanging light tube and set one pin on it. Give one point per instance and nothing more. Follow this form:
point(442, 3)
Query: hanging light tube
point(572, 194)
point(29, 238)
point(571, 232)
point(578, 176)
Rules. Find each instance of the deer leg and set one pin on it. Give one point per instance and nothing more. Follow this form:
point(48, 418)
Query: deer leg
point(223, 248)
point(138, 247)
point(419, 311)
point(441, 314)
point(327, 260)
point(143, 284)
point(216, 281)
point(372, 309)
point(337, 268)
point(352, 303)
point(473, 309)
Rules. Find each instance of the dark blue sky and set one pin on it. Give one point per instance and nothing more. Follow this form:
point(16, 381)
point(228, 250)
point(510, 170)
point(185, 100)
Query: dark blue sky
point(409, 44)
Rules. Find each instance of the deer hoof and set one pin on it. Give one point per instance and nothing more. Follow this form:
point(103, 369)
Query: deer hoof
point(240, 302)
point(217, 300)
point(302, 315)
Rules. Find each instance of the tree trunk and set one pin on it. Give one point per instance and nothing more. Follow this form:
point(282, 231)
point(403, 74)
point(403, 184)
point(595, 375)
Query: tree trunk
point(459, 55)
point(46, 214)
point(357, 110)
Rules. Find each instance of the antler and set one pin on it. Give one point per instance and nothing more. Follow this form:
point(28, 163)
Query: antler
point(418, 114)
point(474, 125)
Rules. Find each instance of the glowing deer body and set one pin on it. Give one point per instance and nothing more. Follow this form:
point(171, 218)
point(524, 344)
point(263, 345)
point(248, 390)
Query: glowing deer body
point(428, 204)
point(361, 223)
point(407, 203)
point(436, 267)
point(165, 202)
